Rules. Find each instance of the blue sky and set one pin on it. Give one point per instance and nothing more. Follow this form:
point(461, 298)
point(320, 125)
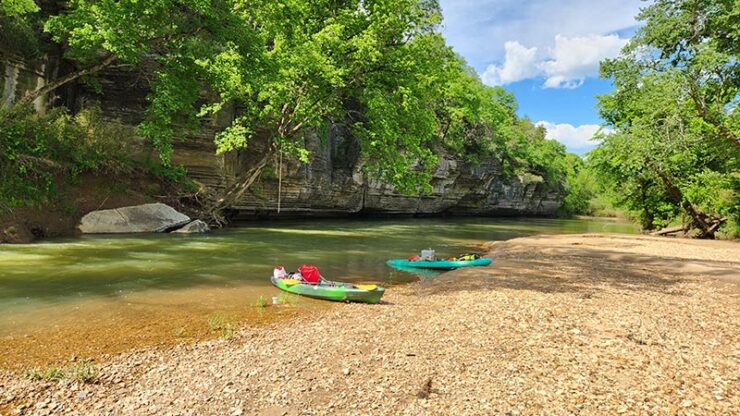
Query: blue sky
point(546, 52)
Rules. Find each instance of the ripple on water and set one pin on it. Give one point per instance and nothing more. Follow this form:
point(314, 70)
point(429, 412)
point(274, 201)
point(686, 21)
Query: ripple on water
point(99, 294)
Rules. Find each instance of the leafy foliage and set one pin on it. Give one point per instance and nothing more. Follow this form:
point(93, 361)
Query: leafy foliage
point(34, 148)
point(675, 148)
point(15, 8)
point(378, 66)
point(287, 69)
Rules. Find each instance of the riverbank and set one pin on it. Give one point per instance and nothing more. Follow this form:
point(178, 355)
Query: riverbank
point(600, 324)
point(59, 216)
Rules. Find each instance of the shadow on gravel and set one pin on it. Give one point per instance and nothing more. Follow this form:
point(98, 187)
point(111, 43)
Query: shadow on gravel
point(566, 270)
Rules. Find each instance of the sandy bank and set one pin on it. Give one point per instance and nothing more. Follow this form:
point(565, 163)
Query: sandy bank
point(557, 325)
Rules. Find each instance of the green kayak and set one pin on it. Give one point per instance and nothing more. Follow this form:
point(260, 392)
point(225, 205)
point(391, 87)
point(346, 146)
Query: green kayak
point(437, 264)
point(335, 291)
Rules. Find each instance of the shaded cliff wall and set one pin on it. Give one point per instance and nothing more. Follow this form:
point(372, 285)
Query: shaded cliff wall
point(21, 75)
point(332, 184)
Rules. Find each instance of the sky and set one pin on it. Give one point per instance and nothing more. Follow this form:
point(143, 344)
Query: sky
point(547, 52)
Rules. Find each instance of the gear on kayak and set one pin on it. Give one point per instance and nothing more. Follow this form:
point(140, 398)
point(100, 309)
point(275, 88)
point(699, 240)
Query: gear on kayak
point(307, 281)
point(428, 260)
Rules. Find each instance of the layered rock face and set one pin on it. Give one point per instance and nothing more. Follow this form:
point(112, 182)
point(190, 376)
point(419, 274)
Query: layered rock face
point(19, 76)
point(332, 184)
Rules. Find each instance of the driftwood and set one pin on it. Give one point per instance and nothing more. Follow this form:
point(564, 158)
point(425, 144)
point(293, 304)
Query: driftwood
point(715, 224)
point(671, 230)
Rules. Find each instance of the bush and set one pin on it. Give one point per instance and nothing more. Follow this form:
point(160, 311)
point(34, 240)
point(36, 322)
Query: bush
point(35, 148)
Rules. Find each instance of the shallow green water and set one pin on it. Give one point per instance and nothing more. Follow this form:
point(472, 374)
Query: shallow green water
point(96, 277)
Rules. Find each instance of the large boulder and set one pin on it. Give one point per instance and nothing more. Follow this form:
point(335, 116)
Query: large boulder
point(195, 227)
point(147, 218)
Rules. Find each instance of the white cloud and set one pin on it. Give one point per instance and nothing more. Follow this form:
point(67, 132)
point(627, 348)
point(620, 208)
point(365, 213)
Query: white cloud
point(519, 63)
point(574, 59)
point(566, 65)
point(478, 29)
point(573, 137)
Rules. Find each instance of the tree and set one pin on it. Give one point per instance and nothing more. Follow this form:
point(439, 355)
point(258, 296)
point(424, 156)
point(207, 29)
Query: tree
point(674, 115)
point(94, 34)
point(15, 8)
point(699, 39)
point(379, 68)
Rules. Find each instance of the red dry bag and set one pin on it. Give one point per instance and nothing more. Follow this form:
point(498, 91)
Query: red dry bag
point(310, 273)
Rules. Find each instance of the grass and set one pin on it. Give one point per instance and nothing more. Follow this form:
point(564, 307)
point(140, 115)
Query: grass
point(288, 299)
point(84, 371)
point(221, 325)
point(179, 332)
point(261, 302)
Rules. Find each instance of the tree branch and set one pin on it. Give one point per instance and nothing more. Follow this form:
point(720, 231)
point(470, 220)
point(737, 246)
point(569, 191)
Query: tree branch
point(32, 95)
point(703, 110)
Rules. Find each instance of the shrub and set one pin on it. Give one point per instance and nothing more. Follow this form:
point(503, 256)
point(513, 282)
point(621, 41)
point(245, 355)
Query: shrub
point(34, 148)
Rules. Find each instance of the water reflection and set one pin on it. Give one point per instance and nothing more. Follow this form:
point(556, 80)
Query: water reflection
point(57, 278)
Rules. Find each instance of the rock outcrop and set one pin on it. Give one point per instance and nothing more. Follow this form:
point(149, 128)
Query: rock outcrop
point(334, 184)
point(147, 218)
point(194, 227)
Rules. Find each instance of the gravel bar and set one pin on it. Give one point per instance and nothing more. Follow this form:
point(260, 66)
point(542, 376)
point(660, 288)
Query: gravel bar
point(568, 324)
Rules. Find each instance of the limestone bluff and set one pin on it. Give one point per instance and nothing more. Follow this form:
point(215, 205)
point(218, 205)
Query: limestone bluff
point(331, 184)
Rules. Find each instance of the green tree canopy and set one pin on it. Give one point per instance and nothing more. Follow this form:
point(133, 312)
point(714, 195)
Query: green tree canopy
point(379, 67)
point(675, 144)
point(14, 8)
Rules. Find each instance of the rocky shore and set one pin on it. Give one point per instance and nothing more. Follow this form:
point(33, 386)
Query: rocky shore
point(589, 324)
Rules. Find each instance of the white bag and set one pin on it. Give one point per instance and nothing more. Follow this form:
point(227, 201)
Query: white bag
point(279, 272)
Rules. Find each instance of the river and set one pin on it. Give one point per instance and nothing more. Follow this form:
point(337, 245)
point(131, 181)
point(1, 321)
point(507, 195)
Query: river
point(96, 295)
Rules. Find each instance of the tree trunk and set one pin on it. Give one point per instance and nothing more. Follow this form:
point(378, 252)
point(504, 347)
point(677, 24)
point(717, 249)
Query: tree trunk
point(29, 97)
point(671, 230)
point(647, 216)
point(700, 219)
point(237, 189)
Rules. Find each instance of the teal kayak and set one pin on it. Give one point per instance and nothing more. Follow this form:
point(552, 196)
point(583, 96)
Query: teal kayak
point(437, 264)
point(334, 291)
point(418, 271)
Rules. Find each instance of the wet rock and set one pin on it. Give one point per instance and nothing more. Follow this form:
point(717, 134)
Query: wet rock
point(15, 234)
point(147, 218)
point(195, 227)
